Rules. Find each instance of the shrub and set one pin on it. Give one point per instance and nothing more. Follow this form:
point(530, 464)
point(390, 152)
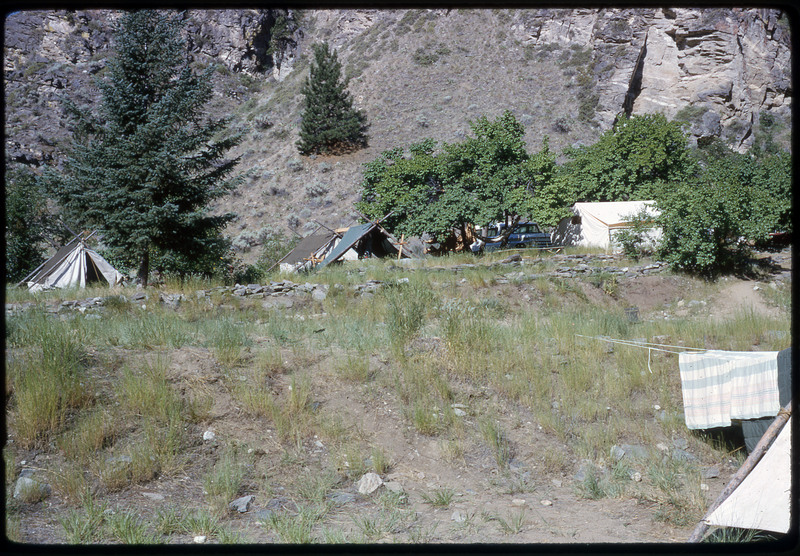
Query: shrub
point(634, 239)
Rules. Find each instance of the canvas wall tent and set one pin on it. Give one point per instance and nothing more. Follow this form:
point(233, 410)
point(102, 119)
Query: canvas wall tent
point(365, 240)
point(73, 265)
point(596, 224)
point(309, 251)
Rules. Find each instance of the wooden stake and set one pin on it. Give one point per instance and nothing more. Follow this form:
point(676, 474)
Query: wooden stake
point(748, 465)
point(401, 243)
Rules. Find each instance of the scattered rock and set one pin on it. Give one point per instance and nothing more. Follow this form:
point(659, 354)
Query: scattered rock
point(584, 470)
point(342, 498)
point(459, 412)
point(318, 295)
point(513, 258)
point(635, 451)
point(369, 483)
point(393, 486)
point(547, 502)
point(683, 455)
point(710, 472)
point(635, 476)
point(262, 515)
point(153, 495)
point(617, 453)
point(199, 539)
point(30, 490)
point(209, 435)
point(680, 443)
point(281, 503)
point(519, 502)
point(459, 516)
point(704, 487)
point(242, 504)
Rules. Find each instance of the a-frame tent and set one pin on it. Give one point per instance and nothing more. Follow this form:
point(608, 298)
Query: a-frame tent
point(73, 265)
point(370, 239)
point(309, 251)
point(759, 495)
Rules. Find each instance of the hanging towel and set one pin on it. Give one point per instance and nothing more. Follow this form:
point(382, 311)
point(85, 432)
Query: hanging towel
point(720, 385)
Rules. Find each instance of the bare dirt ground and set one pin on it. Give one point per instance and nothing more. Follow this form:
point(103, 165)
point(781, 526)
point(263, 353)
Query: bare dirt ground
point(553, 510)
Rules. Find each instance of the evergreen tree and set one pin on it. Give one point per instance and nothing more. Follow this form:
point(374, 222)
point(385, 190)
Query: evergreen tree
point(145, 169)
point(26, 224)
point(330, 123)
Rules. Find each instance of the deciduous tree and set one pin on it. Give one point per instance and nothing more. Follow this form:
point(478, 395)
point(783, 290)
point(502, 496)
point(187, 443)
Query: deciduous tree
point(436, 189)
point(631, 161)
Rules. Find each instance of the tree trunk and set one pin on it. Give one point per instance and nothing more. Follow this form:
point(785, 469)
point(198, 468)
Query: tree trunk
point(144, 268)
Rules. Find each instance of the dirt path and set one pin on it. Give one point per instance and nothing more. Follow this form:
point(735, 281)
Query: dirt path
point(740, 296)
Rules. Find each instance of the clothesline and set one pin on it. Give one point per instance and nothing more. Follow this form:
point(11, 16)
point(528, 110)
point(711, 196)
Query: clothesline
point(646, 345)
point(651, 346)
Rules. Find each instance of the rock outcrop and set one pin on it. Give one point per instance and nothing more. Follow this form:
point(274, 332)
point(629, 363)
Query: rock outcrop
point(728, 65)
point(734, 63)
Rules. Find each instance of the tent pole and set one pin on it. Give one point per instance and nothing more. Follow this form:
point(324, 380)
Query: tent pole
point(324, 226)
point(748, 465)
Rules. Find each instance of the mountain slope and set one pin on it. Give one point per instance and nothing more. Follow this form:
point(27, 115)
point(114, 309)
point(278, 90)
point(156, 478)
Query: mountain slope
point(566, 74)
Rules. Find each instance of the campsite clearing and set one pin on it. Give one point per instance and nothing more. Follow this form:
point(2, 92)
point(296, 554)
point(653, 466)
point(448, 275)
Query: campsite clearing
point(468, 393)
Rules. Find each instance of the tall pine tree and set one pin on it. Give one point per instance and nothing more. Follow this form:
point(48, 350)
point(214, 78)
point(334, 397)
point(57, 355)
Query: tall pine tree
point(145, 168)
point(330, 122)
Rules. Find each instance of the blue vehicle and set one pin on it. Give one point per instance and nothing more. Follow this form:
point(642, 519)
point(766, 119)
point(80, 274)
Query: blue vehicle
point(525, 234)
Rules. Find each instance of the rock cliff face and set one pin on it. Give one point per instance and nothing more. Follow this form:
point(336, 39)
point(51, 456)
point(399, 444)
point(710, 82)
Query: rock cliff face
point(729, 65)
point(46, 52)
point(734, 63)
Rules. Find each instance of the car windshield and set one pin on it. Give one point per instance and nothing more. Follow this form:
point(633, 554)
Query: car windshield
point(527, 229)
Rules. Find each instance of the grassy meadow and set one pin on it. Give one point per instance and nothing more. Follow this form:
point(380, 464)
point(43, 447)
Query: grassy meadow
point(112, 400)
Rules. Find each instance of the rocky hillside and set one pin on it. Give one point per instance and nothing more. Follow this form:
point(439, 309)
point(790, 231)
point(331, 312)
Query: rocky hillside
point(566, 74)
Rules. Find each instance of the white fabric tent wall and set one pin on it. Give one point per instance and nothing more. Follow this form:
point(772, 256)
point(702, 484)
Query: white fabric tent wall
point(72, 271)
point(762, 500)
point(596, 224)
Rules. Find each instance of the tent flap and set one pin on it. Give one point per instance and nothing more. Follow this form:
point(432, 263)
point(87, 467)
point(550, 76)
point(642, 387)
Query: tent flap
point(762, 500)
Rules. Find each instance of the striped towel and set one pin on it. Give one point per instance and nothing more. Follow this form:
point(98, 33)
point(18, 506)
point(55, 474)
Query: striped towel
point(720, 385)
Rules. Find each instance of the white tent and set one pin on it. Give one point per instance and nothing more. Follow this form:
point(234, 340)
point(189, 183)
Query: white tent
point(762, 500)
point(595, 224)
point(73, 265)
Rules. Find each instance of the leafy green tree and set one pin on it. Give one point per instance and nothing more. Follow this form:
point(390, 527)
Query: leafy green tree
point(487, 177)
point(702, 226)
point(330, 123)
point(631, 161)
point(710, 222)
point(27, 223)
point(145, 168)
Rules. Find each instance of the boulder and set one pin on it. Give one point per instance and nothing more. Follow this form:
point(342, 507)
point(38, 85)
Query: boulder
point(369, 483)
